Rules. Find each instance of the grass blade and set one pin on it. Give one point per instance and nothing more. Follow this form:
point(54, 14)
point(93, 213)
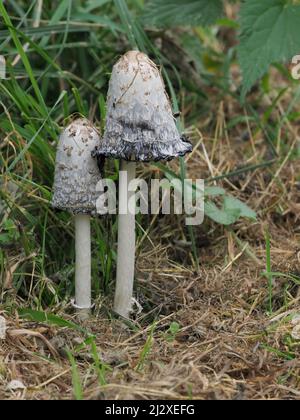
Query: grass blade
point(23, 57)
point(77, 387)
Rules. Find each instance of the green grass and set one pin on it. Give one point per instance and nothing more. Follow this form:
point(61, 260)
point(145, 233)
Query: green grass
point(100, 367)
point(77, 385)
point(73, 82)
point(64, 71)
point(146, 349)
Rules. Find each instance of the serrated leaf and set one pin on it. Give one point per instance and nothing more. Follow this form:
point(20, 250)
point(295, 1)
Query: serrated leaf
point(269, 33)
point(232, 203)
point(170, 13)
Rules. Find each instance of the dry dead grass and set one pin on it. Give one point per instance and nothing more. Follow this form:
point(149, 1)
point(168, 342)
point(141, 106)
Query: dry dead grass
point(224, 349)
point(227, 347)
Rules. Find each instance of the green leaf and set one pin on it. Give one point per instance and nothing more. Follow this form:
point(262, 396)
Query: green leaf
point(231, 204)
point(213, 191)
point(170, 13)
point(9, 225)
point(77, 386)
point(174, 328)
point(39, 316)
point(208, 191)
point(232, 209)
point(5, 238)
point(11, 232)
point(269, 33)
point(221, 216)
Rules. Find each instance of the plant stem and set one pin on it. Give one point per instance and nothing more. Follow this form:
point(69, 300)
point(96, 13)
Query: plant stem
point(83, 264)
point(269, 271)
point(126, 242)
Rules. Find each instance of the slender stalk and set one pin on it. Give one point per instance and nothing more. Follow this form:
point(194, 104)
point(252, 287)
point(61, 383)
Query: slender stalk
point(83, 265)
point(126, 242)
point(269, 271)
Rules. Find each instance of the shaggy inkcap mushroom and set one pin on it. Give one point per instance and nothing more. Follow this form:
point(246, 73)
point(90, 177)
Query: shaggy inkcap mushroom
point(76, 173)
point(140, 125)
point(75, 190)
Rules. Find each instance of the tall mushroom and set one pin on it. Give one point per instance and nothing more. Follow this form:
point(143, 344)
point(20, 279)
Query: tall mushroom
point(140, 126)
point(74, 190)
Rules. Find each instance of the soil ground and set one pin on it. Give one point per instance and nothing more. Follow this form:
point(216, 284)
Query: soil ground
point(206, 334)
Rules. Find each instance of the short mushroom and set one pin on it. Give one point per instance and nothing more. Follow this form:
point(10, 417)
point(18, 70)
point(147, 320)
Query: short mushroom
point(75, 190)
point(140, 126)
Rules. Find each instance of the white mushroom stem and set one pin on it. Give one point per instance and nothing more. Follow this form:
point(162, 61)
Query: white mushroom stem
point(83, 300)
point(126, 243)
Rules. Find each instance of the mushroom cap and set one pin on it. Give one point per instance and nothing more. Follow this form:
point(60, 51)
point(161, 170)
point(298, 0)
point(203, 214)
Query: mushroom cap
point(76, 172)
point(140, 125)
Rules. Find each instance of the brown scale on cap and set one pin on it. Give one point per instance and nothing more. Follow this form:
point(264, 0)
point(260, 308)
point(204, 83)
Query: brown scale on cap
point(77, 173)
point(140, 125)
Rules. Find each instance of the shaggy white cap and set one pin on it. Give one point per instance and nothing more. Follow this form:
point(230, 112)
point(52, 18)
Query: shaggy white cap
point(140, 125)
point(76, 172)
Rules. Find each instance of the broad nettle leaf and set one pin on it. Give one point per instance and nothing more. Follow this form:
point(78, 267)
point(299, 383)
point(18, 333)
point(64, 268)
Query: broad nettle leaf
point(230, 210)
point(170, 13)
point(269, 34)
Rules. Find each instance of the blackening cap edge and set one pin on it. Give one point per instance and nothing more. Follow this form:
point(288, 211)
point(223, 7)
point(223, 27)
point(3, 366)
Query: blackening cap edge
point(140, 125)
